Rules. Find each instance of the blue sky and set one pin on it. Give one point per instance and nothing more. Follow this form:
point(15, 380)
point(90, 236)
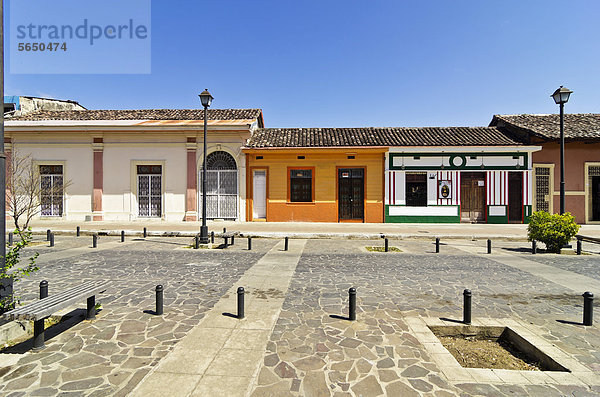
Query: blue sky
point(355, 63)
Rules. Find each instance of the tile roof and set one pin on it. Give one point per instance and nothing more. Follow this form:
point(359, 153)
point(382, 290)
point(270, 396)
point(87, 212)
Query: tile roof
point(547, 126)
point(372, 136)
point(141, 114)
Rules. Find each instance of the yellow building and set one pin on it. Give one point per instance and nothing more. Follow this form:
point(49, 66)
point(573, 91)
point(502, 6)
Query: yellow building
point(294, 176)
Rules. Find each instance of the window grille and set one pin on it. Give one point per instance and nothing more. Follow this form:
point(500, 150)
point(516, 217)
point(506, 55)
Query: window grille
point(51, 190)
point(222, 186)
point(149, 191)
point(542, 189)
point(301, 186)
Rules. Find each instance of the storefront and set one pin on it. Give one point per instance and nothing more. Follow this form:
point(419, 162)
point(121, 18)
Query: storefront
point(458, 184)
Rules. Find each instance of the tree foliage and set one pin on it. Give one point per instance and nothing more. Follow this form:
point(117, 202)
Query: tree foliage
point(11, 272)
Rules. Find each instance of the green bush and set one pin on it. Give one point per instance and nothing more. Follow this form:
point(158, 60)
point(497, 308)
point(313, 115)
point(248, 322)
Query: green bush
point(11, 272)
point(553, 230)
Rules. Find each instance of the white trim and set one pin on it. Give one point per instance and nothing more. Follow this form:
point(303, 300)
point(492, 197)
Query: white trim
point(464, 149)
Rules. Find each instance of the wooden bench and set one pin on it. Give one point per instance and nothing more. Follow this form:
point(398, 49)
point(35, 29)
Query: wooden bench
point(39, 310)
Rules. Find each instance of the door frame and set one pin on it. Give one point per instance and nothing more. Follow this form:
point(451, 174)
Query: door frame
point(134, 203)
point(337, 193)
point(250, 196)
point(485, 195)
point(588, 192)
point(508, 205)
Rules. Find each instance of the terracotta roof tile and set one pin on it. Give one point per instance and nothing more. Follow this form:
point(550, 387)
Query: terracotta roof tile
point(547, 126)
point(371, 136)
point(140, 114)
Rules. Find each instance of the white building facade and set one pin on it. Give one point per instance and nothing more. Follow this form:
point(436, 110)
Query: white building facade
point(123, 165)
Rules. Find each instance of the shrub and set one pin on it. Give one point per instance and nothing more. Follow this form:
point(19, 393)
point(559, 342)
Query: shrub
point(12, 273)
point(553, 230)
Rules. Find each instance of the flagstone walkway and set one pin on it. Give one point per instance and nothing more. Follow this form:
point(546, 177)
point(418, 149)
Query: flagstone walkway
point(222, 354)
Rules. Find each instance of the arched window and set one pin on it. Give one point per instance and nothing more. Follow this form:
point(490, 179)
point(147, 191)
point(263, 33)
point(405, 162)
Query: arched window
point(220, 161)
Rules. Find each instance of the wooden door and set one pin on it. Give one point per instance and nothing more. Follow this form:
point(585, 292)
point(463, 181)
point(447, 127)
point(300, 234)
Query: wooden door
point(472, 197)
point(595, 198)
point(515, 197)
point(351, 194)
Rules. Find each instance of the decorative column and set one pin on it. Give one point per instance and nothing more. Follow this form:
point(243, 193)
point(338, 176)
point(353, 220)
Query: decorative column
point(191, 194)
point(98, 148)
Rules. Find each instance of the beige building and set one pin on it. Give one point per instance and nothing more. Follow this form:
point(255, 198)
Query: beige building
point(124, 165)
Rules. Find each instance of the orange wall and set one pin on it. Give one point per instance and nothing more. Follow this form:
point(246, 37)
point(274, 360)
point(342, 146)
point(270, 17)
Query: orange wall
point(576, 155)
point(324, 207)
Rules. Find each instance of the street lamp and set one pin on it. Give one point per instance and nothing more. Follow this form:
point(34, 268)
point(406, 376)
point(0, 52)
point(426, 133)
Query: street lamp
point(206, 99)
point(561, 96)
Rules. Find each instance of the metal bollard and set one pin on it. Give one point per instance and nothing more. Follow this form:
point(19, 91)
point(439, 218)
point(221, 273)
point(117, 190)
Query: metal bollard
point(159, 300)
point(467, 306)
point(48, 234)
point(10, 239)
point(240, 302)
point(578, 246)
point(533, 247)
point(212, 237)
point(122, 236)
point(43, 289)
point(51, 239)
point(489, 246)
point(145, 233)
point(224, 230)
point(352, 304)
point(588, 308)
point(437, 245)
point(91, 308)
point(196, 242)
point(78, 231)
point(249, 243)
point(387, 248)
point(232, 239)
point(286, 244)
point(94, 240)
point(38, 325)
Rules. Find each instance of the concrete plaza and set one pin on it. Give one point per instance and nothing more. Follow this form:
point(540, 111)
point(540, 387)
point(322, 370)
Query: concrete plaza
point(295, 340)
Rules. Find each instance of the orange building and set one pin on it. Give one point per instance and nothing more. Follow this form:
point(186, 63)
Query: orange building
point(291, 176)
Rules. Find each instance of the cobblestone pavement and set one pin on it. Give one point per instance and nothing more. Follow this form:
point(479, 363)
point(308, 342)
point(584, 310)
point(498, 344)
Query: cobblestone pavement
point(311, 350)
point(110, 355)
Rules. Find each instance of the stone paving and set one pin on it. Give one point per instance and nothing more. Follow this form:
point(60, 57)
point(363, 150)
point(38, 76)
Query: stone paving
point(110, 355)
point(312, 350)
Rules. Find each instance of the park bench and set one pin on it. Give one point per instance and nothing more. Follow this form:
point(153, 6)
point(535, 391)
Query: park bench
point(589, 239)
point(229, 235)
point(39, 310)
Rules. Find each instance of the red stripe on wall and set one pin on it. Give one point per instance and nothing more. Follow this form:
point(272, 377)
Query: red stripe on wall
point(394, 191)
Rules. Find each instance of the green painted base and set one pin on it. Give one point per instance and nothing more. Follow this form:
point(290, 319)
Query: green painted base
point(497, 219)
point(422, 219)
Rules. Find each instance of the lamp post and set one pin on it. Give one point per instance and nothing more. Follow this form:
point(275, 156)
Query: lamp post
point(206, 99)
point(561, 96)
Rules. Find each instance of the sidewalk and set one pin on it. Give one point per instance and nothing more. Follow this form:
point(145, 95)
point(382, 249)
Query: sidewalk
point(303, 229)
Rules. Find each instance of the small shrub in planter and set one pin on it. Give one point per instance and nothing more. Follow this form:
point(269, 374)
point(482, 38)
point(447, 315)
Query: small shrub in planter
point(553, 230)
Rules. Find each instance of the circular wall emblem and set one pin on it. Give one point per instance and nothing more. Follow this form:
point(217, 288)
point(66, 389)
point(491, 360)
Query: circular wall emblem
point(457, 161)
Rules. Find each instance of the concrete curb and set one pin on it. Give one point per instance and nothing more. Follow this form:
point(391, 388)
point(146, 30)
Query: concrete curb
point(340, 236)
